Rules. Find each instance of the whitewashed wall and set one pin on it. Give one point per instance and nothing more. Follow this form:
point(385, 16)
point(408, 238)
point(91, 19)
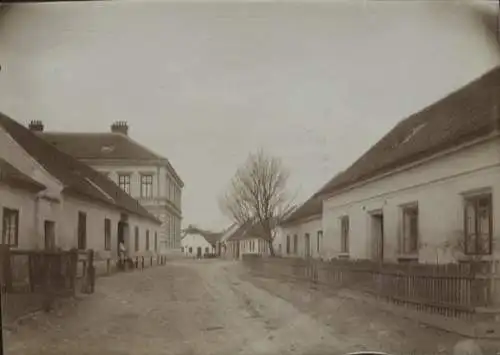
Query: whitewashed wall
point(259, 247)
point(437, 186)
point(195, 241)
point(309, 226)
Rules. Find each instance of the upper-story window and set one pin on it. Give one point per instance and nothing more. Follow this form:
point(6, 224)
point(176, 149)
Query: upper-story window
point(147, 185)
point(124, 182)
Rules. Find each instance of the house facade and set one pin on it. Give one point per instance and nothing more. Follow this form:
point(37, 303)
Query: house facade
point(50, 200)
point(141, 173)
point(196, 242)
point(247, 239)
point(428, 191)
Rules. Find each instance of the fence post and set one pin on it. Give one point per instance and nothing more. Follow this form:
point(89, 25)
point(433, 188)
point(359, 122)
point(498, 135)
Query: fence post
point(90, 271)
point(73, 269)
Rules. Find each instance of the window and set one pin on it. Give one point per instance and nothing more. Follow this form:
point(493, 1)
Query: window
point(190, 250)
point(82, 230)
point(107, 234)
point(344, 234)
point(295, 244)
point(410, 230)
point(206, 250)
point(156, 241)
point(10, 229)
point(147, 239)
point(319, 241)
point(478, 223)
point(50, 234)
point(147, 186)
point(136, 238)
point(124, 182)
point(288, 244)
point(182, 249)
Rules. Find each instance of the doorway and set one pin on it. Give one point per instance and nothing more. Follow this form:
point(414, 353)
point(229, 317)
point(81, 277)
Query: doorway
point(198, 252)
point(122, 236)
point(377, 235)
point(50, 235)
point(307, 246)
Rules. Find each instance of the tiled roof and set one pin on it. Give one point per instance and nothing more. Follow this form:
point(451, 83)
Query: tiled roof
point(11, 176)
point(313, 206)
point(466, 114)
point(100, 146)
point(211, 237)
point(78, 178)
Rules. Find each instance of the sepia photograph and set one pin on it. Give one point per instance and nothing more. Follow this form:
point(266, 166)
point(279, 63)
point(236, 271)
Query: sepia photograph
point(250, 177)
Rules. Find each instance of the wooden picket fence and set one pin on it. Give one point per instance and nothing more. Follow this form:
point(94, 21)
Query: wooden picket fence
point(453, 290)
point(34, 279)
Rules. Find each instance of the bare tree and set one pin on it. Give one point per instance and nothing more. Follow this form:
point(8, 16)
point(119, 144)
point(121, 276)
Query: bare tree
point(257, 195)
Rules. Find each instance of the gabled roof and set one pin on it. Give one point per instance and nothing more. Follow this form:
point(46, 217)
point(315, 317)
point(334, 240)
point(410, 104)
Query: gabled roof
point(313, 206)
point(469, 113)
point(78, 178)
point(13, 177)
point(102, 146)
point(211, 237)
point(229, 231)
point(240, 232)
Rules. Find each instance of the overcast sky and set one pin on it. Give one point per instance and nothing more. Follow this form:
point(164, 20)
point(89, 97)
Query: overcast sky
point(205, 84)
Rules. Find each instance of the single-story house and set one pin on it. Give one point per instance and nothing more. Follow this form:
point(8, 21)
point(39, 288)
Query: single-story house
point(50, 200)
point(428, 190)
point(198, 242)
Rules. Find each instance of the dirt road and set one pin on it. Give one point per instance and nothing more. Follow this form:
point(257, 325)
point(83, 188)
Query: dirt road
point(208, 307)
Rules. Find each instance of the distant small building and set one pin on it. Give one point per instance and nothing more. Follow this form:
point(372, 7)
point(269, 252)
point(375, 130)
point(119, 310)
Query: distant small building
point(197, 242)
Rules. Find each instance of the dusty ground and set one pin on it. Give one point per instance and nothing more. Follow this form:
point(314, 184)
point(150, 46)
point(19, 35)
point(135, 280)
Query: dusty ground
point(211, 307)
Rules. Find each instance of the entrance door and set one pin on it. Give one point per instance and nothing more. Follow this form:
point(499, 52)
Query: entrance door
point(307, 246)
point(198, 252)
point(123, 236)
point(50, 235)
point(377, 225)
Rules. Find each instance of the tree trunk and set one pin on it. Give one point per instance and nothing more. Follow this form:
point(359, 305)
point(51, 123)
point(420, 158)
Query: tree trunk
point(271, 248)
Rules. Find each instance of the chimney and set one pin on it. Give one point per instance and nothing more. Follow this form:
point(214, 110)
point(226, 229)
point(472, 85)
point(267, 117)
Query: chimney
point(36, 126)
point(120, 127)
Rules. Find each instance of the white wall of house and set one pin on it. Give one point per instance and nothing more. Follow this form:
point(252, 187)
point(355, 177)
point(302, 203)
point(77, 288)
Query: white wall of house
point(24, 202)
point(191, 242)
point(95, 216)
point(256, 246)
point(437, 186)
point(311, 227)
point(35, 209)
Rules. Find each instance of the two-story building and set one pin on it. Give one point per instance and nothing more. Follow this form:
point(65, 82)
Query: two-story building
point(143, 174)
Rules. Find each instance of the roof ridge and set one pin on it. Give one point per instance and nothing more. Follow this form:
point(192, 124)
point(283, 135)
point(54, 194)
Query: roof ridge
point(457, 117)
